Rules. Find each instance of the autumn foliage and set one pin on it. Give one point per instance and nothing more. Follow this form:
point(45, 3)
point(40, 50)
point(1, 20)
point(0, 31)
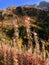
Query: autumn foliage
point(12, 56)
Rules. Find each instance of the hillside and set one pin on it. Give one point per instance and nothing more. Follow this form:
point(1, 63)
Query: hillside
point(39, 22)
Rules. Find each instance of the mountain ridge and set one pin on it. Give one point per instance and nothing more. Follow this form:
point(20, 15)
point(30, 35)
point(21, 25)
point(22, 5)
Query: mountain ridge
point(43, 5)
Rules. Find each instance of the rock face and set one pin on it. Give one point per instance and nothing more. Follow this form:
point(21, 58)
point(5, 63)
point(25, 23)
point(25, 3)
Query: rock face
point(44, 5)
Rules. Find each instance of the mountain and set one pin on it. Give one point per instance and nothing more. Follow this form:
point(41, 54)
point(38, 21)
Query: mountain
point(32, 6)
point(44, 5)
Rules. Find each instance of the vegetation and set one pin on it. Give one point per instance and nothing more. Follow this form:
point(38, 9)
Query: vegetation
point(24, 36)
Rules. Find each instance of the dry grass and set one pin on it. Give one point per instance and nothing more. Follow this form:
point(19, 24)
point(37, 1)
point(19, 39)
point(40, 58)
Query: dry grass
point(12, 56)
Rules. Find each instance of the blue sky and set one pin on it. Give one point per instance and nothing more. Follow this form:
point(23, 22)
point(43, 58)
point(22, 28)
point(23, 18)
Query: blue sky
point(7, 3)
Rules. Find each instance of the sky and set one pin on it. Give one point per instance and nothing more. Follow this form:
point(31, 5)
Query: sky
point(6, 3)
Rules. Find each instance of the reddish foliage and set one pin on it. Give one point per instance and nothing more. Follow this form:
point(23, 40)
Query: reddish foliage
point(12, 56)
